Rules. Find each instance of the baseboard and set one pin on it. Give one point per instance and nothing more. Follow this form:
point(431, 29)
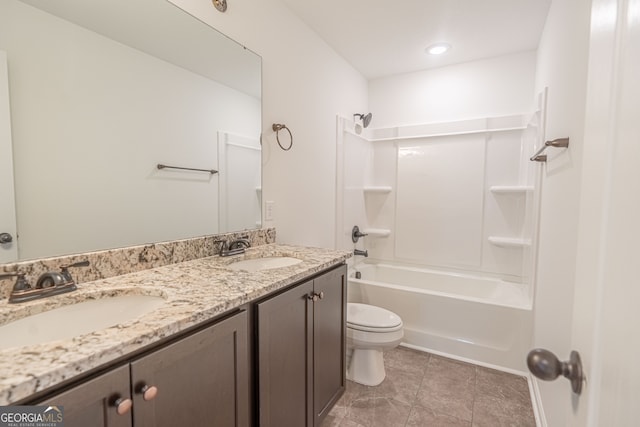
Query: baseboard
point(466, 360)
point(536, 402)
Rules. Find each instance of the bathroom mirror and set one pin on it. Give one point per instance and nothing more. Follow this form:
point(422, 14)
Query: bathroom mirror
point(100, 93)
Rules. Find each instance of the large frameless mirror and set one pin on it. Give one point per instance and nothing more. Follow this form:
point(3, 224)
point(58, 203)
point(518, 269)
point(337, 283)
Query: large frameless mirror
point(99, 94)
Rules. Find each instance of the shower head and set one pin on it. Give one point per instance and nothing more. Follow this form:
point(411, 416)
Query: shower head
point(366, 118)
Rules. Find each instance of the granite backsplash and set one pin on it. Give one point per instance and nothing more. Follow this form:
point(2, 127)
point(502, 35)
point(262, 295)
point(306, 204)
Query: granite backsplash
point(115, 262)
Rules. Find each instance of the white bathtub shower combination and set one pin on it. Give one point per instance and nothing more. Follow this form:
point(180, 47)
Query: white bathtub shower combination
point(482, 319)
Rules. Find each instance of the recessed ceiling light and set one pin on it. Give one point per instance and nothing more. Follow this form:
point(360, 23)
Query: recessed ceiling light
point(438, 48)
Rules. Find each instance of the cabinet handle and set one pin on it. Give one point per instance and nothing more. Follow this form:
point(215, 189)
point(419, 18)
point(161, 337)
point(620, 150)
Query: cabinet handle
point(149, 392)
point(314, 296)
point(123, 405)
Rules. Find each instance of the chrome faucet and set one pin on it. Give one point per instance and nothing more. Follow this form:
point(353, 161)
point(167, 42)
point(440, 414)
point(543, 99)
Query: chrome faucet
point(364, 253)
point(48, 284)
point(242, 242)
point(236, 247)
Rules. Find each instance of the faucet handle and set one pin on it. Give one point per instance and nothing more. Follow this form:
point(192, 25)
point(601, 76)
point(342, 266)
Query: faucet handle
point(356, 234)
point(224, 245)
point(64, 269)
point(22, 284)
point(84, 263)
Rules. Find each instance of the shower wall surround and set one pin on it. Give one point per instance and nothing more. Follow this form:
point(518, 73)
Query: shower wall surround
point(114, 262)
point(453, 195)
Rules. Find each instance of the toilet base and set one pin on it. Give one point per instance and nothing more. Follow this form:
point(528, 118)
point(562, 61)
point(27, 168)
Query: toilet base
point(366, 367)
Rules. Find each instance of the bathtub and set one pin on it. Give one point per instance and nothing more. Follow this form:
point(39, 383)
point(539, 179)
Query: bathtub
point(483, 320)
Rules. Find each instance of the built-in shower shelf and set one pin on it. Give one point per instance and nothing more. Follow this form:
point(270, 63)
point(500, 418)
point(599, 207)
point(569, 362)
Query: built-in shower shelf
point(509, 242)
point(377, 232)
point(510, 189)
point(381, 189)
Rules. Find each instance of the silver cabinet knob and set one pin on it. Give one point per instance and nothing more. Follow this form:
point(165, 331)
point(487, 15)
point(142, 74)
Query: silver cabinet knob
point(123, 405)
point(546, 366)
point(315, 296)
point(5, 238)
point(149, 392)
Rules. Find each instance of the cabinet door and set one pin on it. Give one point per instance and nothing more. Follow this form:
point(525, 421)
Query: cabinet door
point(285, 358)
point(329, 336)
point(93, 403)
point(201, 380)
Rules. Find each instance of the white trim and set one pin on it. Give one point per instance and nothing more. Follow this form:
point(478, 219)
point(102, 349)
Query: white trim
point(248, 147)
point(536, 402)
point(8, 219)
point(465, 359)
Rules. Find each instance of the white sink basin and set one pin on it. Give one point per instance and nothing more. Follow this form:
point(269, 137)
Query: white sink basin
point(266, 263)
point(76, 319)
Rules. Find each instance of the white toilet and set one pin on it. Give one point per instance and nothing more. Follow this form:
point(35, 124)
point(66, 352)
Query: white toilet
point(370, 331)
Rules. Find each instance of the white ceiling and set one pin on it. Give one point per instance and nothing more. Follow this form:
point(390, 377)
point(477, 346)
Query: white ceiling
point(381, 38)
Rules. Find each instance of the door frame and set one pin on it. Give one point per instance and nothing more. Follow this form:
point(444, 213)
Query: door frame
point(8, 251)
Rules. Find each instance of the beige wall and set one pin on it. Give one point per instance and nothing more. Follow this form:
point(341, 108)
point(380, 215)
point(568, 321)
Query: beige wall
point(491, 87)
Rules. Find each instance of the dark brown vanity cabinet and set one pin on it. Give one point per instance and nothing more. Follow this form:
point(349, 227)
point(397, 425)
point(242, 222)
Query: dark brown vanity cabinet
point(199, 380)
point(96, 402)
point(301, 351)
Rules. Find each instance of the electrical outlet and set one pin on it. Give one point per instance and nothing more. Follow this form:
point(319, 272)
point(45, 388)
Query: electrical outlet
point(269, 207)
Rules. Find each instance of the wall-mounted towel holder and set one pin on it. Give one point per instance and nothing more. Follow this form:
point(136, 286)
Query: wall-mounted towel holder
point(557, 143)
point(277, 128)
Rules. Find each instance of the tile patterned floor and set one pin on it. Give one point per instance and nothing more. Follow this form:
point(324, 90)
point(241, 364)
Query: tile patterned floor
point(423, 389)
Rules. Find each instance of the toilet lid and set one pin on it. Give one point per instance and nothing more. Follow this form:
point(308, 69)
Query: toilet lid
point(371, 318)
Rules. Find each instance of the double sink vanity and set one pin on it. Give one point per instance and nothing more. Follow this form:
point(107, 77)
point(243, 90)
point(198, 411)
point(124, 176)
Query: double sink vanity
point(251, 339)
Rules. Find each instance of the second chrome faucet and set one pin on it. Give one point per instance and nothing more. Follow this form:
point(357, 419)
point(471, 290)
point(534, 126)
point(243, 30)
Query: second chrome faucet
point(236, 247)
point(48, 284)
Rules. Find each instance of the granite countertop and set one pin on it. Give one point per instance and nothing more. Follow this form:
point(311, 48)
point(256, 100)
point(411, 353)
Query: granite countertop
point(195, 291)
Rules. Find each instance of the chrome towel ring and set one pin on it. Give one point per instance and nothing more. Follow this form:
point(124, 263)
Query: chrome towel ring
point(277, 128)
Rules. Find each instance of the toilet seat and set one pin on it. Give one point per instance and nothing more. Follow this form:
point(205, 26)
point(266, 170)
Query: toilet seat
point(369, 318)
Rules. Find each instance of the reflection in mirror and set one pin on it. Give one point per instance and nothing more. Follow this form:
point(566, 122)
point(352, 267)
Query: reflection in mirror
point(99, 94)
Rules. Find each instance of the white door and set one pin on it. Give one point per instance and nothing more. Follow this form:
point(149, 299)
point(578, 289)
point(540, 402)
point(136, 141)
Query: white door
point(8, 249)
point(606, 319)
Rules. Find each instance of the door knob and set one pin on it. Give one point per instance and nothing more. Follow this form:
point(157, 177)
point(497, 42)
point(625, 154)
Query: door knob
point(6, 238)
point(546, 366)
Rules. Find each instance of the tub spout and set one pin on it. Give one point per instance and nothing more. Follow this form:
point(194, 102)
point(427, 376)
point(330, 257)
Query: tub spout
point(359, 252)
